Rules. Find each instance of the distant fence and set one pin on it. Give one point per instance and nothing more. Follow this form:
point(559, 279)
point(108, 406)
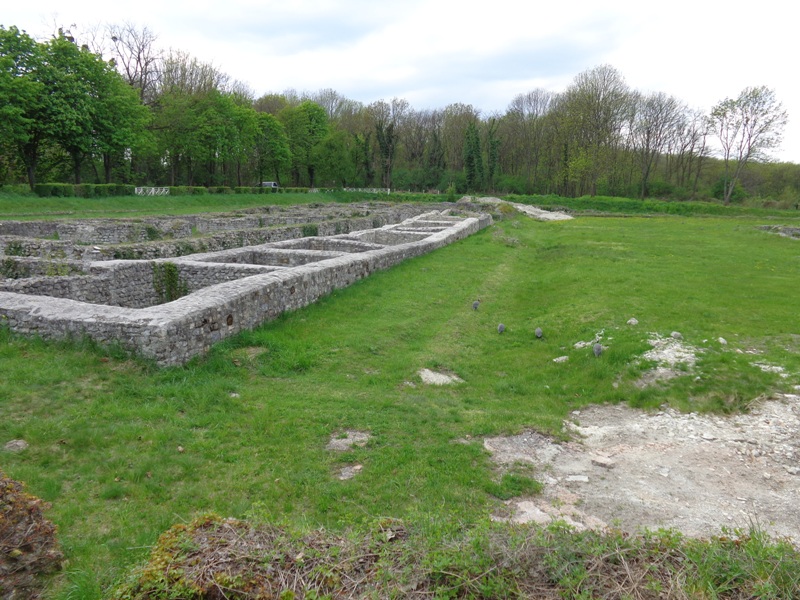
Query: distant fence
point(370, 190)
point(152, 191)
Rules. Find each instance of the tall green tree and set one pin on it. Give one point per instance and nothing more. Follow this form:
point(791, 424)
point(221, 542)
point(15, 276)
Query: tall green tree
point(271, 147)
point(522, 134)
point(22, 97)
point(389, 118)
point(473, 159)
point(334, 160)
point(593, 111)
point(492, 153)
point(72, 76)
point(306, 126)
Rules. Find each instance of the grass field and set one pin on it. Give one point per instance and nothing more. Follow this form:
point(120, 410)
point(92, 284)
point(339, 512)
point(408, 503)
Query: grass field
point(123, 450)
point(32, 207)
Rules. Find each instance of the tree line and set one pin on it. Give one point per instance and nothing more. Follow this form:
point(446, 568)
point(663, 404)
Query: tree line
point(114, 107)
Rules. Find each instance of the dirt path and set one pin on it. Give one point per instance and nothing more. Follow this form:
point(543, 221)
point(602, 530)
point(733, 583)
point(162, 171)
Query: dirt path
point(693, 473)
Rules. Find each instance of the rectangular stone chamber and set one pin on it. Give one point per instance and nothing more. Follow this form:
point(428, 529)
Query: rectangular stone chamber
point(223, 292)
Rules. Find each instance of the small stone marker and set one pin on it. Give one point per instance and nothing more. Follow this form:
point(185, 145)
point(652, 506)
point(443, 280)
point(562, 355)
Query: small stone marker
point(16, 445)
point(434, 378)
point(633, 321)
point(346, 440)
point(723, 341)
point(501, 328)
point(349, 472)
point(538, 332)
point(603, 461)
point(476, 304)
point(597, 349)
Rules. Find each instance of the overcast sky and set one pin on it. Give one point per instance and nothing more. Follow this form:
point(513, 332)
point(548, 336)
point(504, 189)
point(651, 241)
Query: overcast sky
point(437, 52)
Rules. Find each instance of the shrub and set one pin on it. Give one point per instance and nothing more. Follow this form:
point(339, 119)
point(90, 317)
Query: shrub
point(12, 269)
point(114, 189)
point(718, 191)
point(14, 248)
point(16, 189)
point(451, 192)
point(43, 190)
point(85, 190)
point(152, 233)
point(59, 190)
point(660, 189)
point(62, 190)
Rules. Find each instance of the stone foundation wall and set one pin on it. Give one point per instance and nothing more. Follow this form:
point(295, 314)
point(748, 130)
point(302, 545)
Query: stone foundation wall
point(129, 284)
point(164, 237)
point(174, 332)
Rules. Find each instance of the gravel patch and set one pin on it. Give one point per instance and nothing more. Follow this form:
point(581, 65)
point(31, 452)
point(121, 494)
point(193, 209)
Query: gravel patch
point(695, 473)
point(435, 378)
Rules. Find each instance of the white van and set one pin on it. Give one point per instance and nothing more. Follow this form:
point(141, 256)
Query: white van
point(269, 184)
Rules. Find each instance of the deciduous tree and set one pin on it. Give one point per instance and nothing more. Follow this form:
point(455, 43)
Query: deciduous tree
point(747, 127)
point(656, 117)
point(22, 97)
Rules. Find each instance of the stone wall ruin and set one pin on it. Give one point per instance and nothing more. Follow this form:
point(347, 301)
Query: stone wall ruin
point(215, 293)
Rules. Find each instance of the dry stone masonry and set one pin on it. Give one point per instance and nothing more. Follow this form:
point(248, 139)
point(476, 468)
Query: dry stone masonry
point(177, 293)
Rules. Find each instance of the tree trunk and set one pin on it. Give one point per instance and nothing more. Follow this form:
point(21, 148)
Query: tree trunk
point(107, 162)
point(30, 156)
point(77, 161)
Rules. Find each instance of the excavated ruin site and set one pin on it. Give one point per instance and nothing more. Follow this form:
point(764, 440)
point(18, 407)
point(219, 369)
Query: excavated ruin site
point(167, 288)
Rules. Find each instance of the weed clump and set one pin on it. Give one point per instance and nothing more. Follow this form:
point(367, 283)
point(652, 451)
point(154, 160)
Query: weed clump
point(168, 283)
point(214, 558)
point(28, 545)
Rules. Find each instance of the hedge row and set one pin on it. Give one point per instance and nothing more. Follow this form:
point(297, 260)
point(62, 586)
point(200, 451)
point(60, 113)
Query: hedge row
point(268, 190)
point(83, 190)
point(98, 190)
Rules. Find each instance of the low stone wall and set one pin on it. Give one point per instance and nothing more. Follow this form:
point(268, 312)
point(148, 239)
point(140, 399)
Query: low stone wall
point(130, 284)
point(174, 332)
point(163, 237)
point(13, 267)
point(96, 231)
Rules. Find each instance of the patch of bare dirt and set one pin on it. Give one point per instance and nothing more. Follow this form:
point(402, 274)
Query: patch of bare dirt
point(435, 378)
point(694, 473)
point(341, 442)
point(672, 357)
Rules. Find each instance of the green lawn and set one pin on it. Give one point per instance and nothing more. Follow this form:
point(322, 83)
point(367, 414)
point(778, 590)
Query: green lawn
point(31, 207)
point(28, 207)
point(253, 418)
